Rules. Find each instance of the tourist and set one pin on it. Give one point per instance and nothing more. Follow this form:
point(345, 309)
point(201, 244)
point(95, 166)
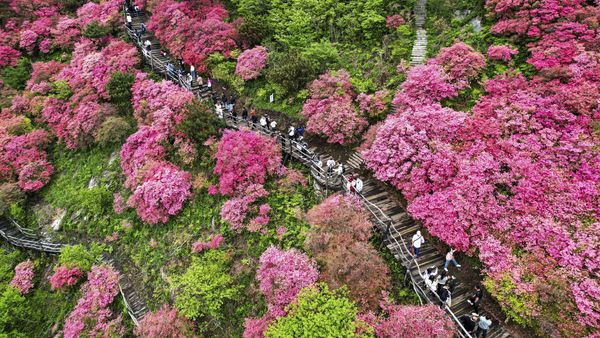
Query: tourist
point(339, 171)
point(181, 63)
point(300, 131)
point(483, 327)
point(469, 322)
point(143, 28)
point(233, 112)
point(163, 52)
point(475, 298)
point(253, 117)
point(441, 279)
point(431, 271)
point(450, 258)
point(214, 99)
point(292, 132)
point(445, 297)
point(220, 110)
point(245, 113)
point(273, 125)
point(200, 81)
point(136, 8)
point(170, 67)
point(351, 184)
point(263, 122)
point(431, 283)
point(147, 44)
point(417, 241)
point(193, 72)
point(452, 283)
point(223, 98)
point(209, 83)
point(358, 186)
point(129, 21)
point(330, 164)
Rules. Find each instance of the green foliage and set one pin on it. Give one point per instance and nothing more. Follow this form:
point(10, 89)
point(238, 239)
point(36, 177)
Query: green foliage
point(78, 256)
point(60, 90)
point(8, 260)
point(323, 55)
point(254, 30)
point(119, 91)
point(290, 70)
point(200, 122)
point(10, 194)
point(16, 77)
point(318, 312)
point(205, 287)
point(113, 130)
point(514, 305)
point(224, 70)
point(95, 30)
point(12, 311)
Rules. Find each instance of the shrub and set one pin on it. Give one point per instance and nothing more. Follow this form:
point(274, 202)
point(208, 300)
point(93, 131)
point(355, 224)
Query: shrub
point(114, 130)
point(205, 287)
point(9, 194)
point(16, 76)
point(251, 62)
point(64, 276)
point(119, 91)
point(78, 256)
point(95, 30)
point(23, 279)
point(318, 312)
point(290, 70)
point(165, 322)
point(200, 123)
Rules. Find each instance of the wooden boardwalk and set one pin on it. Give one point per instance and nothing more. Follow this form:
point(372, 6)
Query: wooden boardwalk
point(391, 218)
point(25, 238)
point(420, 47)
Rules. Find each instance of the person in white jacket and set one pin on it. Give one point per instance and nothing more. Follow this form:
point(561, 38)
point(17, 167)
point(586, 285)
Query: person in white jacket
point(417, 241)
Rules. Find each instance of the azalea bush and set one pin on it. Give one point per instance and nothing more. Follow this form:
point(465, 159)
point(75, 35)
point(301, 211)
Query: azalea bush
point(251, 62)
point(23, 279)
point(165, 322)
point(330, 109)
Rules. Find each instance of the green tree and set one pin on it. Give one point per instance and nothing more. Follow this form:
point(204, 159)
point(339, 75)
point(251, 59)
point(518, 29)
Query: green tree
point(16, 77)
point(205, 286)
point(119, 91)
point(319, 312)
point(80, 257)
point(200, 122)
point(290, 70)
point(12, 311)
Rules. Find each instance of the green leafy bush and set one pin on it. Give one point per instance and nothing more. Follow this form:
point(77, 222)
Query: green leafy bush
point(205, 287)
point(16, 77)
point(60, 90)
point(290, 70)
point(113, 130)
point(119, 91)
point(95, 30)
point(78, 256)
point(200, 122)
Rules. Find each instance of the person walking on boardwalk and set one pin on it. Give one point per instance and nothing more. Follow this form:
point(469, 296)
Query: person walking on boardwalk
point(193, 72)
point(441, 279)
point(245, 113)
point(469, 322)
point(292, 132)
point(483, 327)
point(450, 258)
point(273, 125)
point(444, 295)
point(129, 21)
point(475, 298)
point(417, 241)
point(253, 117)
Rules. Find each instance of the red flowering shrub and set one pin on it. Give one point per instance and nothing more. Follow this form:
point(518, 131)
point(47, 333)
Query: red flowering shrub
point(24, 156)
point(105, 13)
point(23, 279)
point(141, 150)
point(235, 210)
point(245, 158)
point(251, 62)
point(330, 110)
point(162, 193)
point(8, 56)
point(200, 30)
point(64, 276)
point(394, 21)
point(424, 85)
point(374, 104)
point(92, 314)
point(165, 322)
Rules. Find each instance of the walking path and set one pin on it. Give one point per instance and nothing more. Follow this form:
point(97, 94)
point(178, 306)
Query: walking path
point(420, 47)
point(27, 239)
point(390, 218)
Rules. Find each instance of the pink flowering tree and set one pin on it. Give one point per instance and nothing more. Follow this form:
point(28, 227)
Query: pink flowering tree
point(64, 276)
point(162, 193)
point(92, 314)
point(410, 322)
point(245, 158)
point(501, 53)
point(23, 278)
point(461, 62)
point(251, 62)
point(165, 322)
point(424, 85)
point(330, 110)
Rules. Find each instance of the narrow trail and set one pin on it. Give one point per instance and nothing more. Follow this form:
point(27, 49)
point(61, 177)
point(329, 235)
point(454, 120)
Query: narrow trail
point(390, 217)
point(27, 239)
point(420, 47)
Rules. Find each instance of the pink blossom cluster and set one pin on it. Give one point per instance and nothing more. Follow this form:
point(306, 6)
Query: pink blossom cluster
point(42, 76)
point(213, 243)
point(245, 158)
point(92, 312)
point(330, 110)
point(281, 274)
point(8, 56)
point(410, 321)
point(394, 21)
point(105, 13)
point(64, 276)
point(515, 180)
point(162, 193)
point(23, 157)
point(461, 62)
point(373, 104)
point(251, 62)
point(23, 278)
point(165, 322)
point(235, 210)
point(160, 188)
point(193, 30)
point(501, 53)
point(160, 103)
